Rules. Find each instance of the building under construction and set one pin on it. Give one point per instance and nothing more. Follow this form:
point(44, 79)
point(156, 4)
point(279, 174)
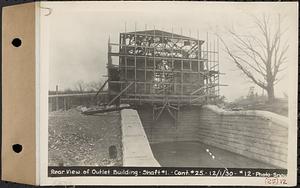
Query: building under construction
point(163, 69)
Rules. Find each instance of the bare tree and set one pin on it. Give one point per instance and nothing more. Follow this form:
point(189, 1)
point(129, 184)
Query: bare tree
point(83, 86)
point(260, 56)
point(94, 86)
point(80, 86)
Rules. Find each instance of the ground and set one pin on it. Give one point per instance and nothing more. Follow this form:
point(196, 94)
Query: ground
point(279, 106)
point(84, 140)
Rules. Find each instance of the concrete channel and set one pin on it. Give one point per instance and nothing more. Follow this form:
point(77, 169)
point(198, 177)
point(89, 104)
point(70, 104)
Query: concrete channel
point(205, 137)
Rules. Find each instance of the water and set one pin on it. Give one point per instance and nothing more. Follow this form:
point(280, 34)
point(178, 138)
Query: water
point(196, 154)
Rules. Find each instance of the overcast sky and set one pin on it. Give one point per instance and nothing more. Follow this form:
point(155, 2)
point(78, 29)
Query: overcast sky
point(79, 31)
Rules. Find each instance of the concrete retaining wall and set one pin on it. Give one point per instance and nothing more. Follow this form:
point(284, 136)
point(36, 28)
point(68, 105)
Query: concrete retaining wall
point(258, 135)
point(136, 148)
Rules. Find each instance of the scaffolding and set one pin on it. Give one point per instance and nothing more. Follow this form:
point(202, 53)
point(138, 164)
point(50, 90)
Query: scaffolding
point(163, 69)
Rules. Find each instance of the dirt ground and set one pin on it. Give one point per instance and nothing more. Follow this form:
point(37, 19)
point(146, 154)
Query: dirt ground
point(84, 140)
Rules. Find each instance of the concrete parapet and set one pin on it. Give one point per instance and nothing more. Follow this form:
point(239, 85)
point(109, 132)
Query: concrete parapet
point(275, 118)
point(136, 148)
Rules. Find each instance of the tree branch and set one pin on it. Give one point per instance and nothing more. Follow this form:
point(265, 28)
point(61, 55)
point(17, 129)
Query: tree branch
point(245, 71)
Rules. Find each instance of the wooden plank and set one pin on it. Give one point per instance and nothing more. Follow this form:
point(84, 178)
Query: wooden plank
point(101, 88)
point(119, 94)
point(157, 57)
point(76, 94)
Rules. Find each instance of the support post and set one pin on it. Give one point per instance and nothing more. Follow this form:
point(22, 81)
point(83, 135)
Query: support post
point(65, 103)
point(56, 98)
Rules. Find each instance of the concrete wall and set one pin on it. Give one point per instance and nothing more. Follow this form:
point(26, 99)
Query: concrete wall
point(166, 130)
point(136, 148)
point(258, 135)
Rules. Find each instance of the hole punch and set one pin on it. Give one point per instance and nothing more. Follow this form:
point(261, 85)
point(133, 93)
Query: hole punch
point(16, 42)
point(17, 148)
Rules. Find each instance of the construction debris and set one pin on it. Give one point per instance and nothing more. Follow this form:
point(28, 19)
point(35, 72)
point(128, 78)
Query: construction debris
point(103, 109)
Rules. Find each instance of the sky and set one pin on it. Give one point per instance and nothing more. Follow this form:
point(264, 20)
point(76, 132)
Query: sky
point(78, 33)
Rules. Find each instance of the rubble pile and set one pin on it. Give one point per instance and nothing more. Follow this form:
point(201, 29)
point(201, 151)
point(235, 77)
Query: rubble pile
point(81, 140)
